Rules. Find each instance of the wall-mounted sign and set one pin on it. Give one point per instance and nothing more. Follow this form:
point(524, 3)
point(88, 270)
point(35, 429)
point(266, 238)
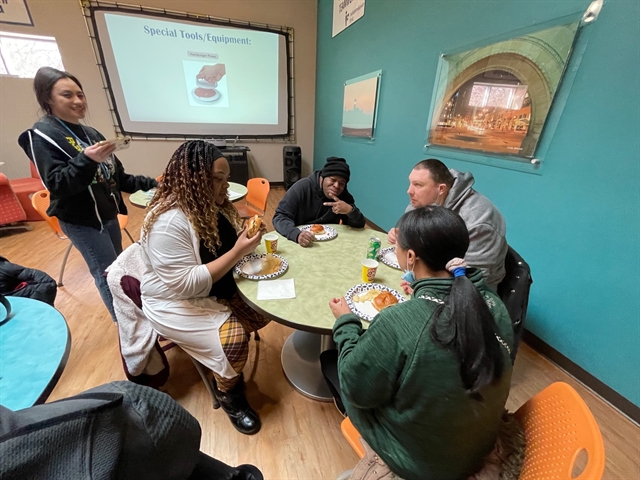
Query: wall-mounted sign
point(16, 12)
point(345, 12)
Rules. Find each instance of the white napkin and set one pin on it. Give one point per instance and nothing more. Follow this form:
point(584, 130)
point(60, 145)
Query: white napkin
point(276, 289)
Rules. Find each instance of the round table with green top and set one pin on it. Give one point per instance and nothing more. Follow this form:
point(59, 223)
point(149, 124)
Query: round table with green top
point(321, 272)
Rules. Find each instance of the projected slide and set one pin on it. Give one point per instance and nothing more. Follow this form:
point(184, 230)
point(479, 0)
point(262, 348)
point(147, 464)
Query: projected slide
point(187, 78)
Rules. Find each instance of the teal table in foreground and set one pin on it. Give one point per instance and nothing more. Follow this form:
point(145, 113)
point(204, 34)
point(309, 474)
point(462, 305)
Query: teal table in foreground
point(325, 270)
point(141, 198)
point(34, 348)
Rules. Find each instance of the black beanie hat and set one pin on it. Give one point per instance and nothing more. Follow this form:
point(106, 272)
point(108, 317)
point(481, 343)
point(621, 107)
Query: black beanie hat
point(336, 166)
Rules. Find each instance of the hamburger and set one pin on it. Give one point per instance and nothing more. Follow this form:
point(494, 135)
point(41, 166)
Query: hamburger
point(317, 229)
point(254, 224)
point(383, 300)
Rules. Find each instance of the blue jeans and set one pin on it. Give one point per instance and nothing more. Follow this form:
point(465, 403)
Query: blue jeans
point(99, 249)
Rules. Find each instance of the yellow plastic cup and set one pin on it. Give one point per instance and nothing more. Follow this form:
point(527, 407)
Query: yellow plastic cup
point(369, 268)
point(270, 242)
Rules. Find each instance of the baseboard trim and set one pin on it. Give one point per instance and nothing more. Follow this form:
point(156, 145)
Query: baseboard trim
point(607, 393)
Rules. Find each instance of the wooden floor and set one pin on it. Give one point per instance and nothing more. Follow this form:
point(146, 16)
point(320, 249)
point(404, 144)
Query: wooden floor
point(300, 438)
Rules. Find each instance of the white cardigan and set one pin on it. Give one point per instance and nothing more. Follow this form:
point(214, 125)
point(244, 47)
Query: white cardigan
point(175, 292)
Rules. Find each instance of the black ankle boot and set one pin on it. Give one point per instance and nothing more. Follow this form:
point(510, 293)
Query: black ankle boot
point(235, 405)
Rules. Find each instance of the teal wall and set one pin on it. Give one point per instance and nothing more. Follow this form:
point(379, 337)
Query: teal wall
point(577, 223)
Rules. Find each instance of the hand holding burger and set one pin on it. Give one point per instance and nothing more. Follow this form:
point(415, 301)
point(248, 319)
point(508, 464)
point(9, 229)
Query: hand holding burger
point(254, 225)
point(250, 237)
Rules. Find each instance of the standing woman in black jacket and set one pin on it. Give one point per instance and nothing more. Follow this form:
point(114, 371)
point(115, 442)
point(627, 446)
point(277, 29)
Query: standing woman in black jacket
point(84, 178)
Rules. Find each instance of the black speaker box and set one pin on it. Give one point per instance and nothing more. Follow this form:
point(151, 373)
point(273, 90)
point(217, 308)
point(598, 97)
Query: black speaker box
point(238, 167)
point(291, 165)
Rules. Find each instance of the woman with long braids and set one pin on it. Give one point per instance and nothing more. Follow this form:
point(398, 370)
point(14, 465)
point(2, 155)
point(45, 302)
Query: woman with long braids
point(192, 237)
point(84, 178)
point(427, 383)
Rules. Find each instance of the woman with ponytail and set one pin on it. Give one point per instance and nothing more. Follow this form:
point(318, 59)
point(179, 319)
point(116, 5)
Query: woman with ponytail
point(191, 238)
point(426, 383)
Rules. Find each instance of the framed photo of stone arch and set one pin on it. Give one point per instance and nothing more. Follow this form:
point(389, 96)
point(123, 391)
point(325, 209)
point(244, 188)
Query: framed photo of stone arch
point(495, 99)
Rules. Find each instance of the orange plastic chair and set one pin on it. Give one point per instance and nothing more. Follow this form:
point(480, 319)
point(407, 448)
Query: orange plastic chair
point(40, 203)
point(557, 424)
point(353, 436)
point(257, 194)
point(122, 221)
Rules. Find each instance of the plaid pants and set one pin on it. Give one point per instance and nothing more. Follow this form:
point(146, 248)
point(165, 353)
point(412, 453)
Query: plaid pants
point(234, 337)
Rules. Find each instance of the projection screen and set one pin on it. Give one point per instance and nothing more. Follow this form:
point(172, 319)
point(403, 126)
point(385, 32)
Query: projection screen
point(174, 77)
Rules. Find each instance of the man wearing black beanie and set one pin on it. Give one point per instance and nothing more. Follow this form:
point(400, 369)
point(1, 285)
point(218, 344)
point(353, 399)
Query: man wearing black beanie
point(322, 198)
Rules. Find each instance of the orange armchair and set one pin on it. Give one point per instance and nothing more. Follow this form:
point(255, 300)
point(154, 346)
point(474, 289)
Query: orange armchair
point(11, 212)
point(24, 188)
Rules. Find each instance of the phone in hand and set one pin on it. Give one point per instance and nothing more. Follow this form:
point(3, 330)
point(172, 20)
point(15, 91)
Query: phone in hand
point(120, 142)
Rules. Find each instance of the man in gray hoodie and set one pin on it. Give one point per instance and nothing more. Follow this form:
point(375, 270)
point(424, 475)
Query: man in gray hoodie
point(431, 182)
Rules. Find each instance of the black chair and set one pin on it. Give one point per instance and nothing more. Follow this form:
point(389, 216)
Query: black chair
point(514, 292)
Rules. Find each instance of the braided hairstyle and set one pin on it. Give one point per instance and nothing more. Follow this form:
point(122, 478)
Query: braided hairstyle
point(188, 184)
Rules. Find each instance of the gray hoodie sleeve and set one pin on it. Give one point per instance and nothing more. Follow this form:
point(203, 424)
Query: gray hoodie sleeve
point(487, 250)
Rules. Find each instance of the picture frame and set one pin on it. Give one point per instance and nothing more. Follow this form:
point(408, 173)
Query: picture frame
point(360, 105)
point(494, 99)
point(15, 12)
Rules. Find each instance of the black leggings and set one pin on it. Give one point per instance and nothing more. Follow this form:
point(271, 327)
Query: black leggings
point(329, 365)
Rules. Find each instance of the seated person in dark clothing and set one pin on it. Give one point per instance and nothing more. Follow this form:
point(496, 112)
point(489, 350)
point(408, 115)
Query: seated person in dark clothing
point(320, 198)
point(117, 430)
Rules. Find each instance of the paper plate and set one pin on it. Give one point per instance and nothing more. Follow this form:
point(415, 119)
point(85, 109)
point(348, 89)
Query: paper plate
point(366, 310)
point(205, 100)
point(250, 265)
point(148, 195)
point(388, 257)
point(329, 232)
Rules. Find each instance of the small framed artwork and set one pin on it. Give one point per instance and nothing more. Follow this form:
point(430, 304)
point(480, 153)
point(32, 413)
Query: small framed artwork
point(495, 99)
point(15, 12)
point(360, 105)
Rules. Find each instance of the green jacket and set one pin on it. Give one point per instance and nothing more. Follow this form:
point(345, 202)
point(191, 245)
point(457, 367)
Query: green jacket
point(404, 394)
